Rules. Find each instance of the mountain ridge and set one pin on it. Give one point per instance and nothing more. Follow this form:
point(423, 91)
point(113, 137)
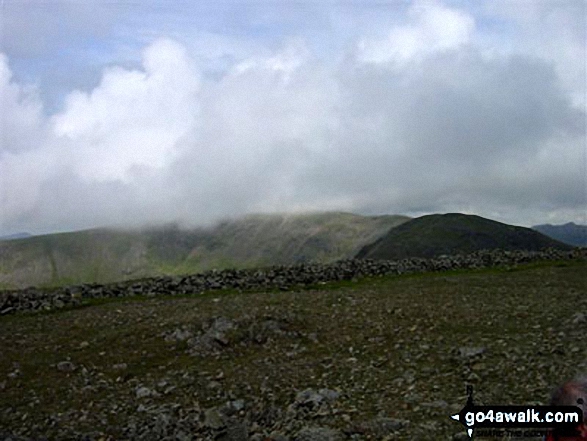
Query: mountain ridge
point(106, 255)
point(569, 233)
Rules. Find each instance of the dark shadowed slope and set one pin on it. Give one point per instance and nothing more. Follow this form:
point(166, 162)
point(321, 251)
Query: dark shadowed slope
point(570, 233)
point(438, 234)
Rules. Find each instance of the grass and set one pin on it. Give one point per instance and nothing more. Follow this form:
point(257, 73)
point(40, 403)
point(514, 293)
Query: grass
point(103, 256)
point(389, 344)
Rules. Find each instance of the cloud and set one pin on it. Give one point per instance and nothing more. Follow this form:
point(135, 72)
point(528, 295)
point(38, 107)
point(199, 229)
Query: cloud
point(439, 124)
point(21, 116)
point(432, 28)
point(133, 118)
point(553, 31)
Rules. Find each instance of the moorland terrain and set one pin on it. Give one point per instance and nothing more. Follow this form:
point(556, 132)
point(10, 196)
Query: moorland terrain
point(379, 358)
point(355, 355)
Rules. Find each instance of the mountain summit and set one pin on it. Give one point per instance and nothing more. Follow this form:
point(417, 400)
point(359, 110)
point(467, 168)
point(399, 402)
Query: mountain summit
point(437, 234)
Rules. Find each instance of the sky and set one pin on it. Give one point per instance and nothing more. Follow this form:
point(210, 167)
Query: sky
point(136, 113)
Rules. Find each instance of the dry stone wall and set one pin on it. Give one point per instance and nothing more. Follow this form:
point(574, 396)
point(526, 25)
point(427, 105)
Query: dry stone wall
point(278, 277)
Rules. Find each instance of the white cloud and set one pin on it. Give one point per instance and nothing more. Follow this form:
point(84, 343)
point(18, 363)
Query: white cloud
point(432, 28)
point(21, 125)
point(133, 118)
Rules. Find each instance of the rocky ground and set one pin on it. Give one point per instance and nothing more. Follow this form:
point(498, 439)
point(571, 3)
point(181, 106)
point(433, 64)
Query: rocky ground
point(378, 358)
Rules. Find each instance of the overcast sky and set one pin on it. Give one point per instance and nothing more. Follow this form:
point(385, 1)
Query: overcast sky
point(143, 112)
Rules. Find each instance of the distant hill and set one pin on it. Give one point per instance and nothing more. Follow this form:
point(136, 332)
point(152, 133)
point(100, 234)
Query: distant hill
point(570, 233)
point(438, 234)
point(103, 255)
point(15, 236)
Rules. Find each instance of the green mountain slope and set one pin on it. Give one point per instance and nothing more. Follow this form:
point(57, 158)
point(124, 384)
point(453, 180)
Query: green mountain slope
point(103, 255)
point(438, 234)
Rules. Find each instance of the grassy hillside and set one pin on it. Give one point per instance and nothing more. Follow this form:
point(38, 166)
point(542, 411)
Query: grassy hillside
point(284, 239)
point(106, 255)
point(394, 349)
point(69, 258)
point(438, 234)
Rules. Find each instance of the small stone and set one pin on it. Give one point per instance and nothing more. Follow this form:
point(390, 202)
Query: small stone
point(84, 344)
point(470, 352)
point(440, 404)
point(168, 390)
point(143, 392)
point(236, 431)
point(579, 318)
point(65, 366)
point(213, 419)
point(318, 434)
point(179, 335)
point(383, 426)
point(329, 394)
point(236, 405)
point(313, 337)
point(478, 366)
point(119, 366)
point(277, 436)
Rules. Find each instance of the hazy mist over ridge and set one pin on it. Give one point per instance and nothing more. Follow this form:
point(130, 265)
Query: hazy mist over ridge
point(147, 113)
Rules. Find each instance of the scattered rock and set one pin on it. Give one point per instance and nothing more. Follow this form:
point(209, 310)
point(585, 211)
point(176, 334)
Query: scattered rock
point(470, 352)
point(143, 392)
point(179, 335)
point(213, 419)
point(579, 318)
point(310, 397)
point(65, 366)
point(235, 431)
point(318, 434)
point(381, 427)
